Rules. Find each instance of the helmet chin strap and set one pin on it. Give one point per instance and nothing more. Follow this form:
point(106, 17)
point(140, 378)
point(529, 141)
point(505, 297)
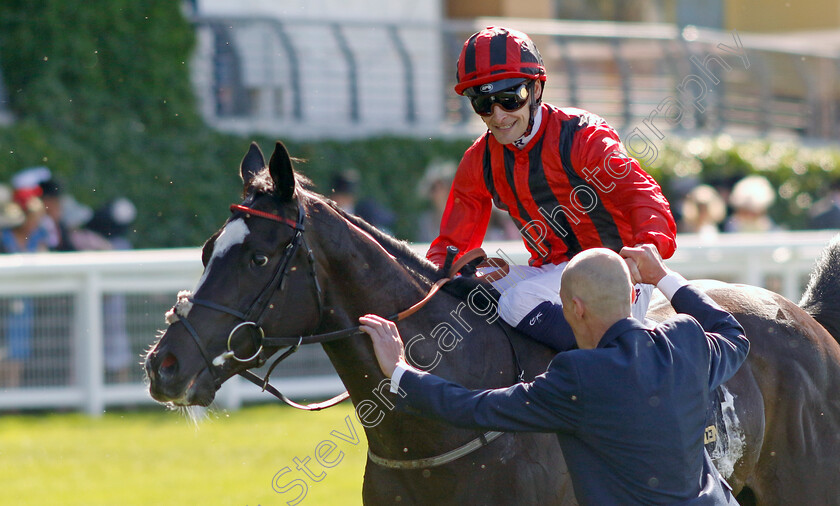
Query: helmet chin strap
point(533, 105)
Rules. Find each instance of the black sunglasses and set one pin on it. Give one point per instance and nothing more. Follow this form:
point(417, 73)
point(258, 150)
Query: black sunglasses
point(511, 99)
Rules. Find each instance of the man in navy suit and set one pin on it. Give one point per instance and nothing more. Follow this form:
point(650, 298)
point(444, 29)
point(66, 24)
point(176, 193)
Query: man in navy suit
point(628, 406)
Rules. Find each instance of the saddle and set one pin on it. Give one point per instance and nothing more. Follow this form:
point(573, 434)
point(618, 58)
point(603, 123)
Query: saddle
point(717, 434)
point(467, 266)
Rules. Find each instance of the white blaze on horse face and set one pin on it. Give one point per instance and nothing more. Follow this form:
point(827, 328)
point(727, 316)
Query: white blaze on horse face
point(234, 233)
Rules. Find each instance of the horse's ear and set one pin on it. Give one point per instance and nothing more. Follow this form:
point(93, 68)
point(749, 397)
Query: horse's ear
point(280, 167)
point(252, 164)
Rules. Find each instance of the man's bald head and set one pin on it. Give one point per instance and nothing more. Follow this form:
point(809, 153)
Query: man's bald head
point(600, 278)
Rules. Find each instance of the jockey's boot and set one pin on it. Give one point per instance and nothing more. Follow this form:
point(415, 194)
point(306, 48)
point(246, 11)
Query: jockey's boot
point(547, 325)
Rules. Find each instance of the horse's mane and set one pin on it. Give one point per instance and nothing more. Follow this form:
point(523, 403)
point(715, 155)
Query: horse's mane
point(822, 296)
point(422, 268)
point(399, 249)
point(460, 287)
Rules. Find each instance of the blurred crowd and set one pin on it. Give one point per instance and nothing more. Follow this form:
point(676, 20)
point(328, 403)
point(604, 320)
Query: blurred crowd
point(744, 205)
point(38, 215)
point(433, 190)
point(737, 205)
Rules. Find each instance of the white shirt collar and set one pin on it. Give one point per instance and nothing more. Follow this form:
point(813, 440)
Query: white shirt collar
point(525, 139)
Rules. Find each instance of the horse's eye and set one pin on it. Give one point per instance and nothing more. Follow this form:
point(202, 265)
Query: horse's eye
point(259, 260)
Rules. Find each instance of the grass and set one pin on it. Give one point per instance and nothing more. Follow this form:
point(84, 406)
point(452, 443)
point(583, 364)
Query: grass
point(160, 457)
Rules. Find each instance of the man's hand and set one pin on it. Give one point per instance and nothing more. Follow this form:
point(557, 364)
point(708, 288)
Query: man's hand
point(386, 342)
point(644, 263)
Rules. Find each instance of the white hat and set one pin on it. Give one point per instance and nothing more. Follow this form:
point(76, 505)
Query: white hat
point(753, 193)
point(31, 177)
point(11, 215)
point(73, 213)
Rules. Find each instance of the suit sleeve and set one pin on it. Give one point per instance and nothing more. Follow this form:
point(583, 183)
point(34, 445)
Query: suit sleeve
point(727, 344)
point(625, 186)
point(550, 403)
point(467, 211)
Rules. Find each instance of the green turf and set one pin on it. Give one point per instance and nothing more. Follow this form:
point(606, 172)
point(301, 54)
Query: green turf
point(162, 458)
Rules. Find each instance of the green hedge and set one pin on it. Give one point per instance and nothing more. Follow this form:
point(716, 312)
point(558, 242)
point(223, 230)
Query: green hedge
point(801, 174)
point(102, 96)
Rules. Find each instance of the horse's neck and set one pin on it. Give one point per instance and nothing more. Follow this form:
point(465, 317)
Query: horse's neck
point(365, 278)
point(456, 339)
point(440, 342)
point(362, 278)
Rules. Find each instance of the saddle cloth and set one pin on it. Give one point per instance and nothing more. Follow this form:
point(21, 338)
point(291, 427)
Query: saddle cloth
point(716, 437)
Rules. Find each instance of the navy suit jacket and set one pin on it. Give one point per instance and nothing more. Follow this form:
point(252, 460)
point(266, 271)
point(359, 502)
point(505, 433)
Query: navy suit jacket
point(629, 415)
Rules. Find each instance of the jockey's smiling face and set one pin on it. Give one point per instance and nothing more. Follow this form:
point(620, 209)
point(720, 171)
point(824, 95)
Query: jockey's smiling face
point(508, 126)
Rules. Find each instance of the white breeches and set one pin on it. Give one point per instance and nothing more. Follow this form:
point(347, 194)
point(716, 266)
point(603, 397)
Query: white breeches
point(526, 287)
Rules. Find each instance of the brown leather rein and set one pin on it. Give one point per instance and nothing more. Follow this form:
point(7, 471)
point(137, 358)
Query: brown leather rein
point(252, 317)
point(467, 258)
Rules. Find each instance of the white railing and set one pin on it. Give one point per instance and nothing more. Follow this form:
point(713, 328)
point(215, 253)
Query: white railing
point(67, 367)
point(150, 279)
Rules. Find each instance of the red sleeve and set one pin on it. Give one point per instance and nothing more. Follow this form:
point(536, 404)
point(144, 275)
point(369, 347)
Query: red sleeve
point(467, 211)
point(627, 187)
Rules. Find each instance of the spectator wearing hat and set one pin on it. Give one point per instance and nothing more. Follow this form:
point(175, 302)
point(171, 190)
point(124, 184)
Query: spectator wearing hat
point(825, 214)
point(11, 215)
point(434, 188)
point(113, 221)
point(345, 186)
point(25, 235)
point(750, 199)
point(52, 193)
point(703, 210)
point(39, 182)
point(29, 235)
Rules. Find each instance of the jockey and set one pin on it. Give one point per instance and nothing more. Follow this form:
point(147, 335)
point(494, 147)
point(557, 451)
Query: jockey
point(561, 174)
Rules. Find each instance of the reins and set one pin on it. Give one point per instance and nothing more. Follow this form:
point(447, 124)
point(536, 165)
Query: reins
point(295, 342)
point(253, 317)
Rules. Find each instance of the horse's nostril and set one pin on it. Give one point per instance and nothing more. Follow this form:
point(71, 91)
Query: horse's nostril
point(169, 364)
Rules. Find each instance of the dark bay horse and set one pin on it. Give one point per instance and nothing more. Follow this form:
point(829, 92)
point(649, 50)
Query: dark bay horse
point(290, 263)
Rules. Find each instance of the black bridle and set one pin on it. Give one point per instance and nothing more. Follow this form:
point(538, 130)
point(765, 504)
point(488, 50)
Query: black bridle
point(253, 317)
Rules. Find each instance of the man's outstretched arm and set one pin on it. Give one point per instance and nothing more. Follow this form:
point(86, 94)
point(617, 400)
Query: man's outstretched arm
point(550, 403)
point(728, 346)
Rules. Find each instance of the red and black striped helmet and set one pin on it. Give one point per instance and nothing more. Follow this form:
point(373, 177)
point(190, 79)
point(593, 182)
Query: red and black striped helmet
point(497, 53)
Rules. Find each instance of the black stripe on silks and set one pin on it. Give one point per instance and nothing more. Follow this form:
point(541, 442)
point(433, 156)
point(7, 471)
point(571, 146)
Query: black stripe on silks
point(498, 50)
point(510, 165)
point(545, 200)
point(600, 216)
point(487, 169)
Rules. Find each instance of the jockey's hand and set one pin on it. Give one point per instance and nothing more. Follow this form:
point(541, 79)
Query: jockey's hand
point(386, 342)
point(644, 263)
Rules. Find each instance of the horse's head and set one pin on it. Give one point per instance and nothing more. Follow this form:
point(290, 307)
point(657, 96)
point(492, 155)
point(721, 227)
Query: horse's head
point(250, 267)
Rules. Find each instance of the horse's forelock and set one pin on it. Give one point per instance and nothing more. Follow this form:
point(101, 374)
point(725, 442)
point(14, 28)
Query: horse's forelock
point(262, 183)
